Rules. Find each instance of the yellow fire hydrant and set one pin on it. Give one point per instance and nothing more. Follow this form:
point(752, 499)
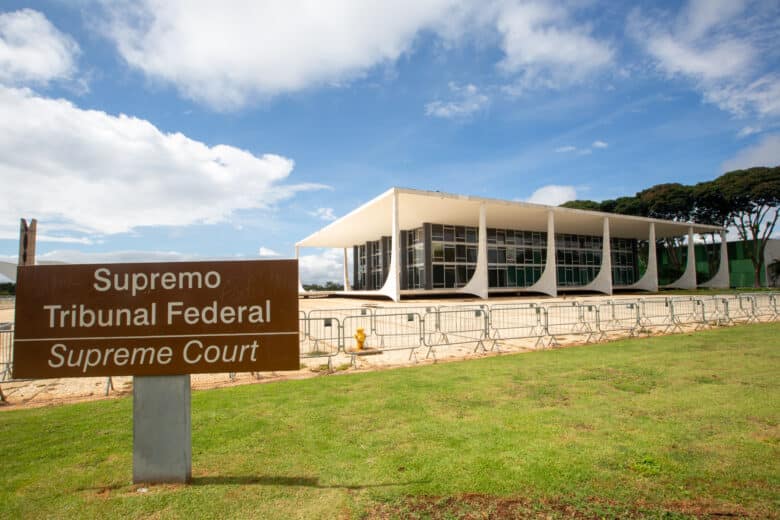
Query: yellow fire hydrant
point(360, 337)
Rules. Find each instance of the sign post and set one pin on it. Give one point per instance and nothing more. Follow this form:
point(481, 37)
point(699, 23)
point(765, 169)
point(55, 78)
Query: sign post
point(159, 322)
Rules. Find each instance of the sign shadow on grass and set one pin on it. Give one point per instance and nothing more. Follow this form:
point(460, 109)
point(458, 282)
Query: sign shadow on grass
point(265, 480)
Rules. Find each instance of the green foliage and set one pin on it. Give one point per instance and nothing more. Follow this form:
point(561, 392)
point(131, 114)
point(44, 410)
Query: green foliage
point(590, 205)
point(645, 426)
point(752, 197)
point(327, 286)
point(711, 205)
point(746, 199)
point(671, 201)
point(7, 289)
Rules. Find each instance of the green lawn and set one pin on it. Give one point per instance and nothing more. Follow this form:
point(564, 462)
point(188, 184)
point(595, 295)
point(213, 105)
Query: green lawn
point(661, 427)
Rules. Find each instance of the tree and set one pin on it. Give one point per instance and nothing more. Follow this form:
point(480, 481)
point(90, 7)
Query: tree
point(630, 206)
point(710, 207)
point(327, 286)
point(753, 197)
point(672, 201)
point(590, 205)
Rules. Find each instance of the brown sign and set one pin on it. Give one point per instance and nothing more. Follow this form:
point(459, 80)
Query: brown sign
point(156, 319)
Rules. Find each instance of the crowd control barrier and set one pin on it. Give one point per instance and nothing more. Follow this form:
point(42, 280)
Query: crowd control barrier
point(6, 352)
point(327, 333)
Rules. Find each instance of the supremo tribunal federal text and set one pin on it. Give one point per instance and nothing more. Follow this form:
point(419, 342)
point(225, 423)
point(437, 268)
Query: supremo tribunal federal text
point(175, 312)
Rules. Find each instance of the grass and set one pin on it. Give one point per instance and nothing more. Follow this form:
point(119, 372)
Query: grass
point(664, 427)
point(711, 292)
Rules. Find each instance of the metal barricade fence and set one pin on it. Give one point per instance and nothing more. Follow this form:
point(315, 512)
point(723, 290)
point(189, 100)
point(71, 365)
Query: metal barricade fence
point(349, 326)
point(453, 327)
point(513, 305)
point(686, 311)
point(765, 306)
point(655, 313)
point(715, 312)
point(391, 332)
point(6, 353)
point(419, 309)
point(516, 322)
point(323, 339)
point(303, 331)
point(739, 308)
point(618, 317)
point(340, 313)
point(465, 307)
point(570, 320)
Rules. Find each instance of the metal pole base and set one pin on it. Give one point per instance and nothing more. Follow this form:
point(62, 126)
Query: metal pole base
point(162, 429)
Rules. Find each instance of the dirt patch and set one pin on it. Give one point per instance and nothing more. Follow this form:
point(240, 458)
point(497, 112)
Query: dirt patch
point(50, 392)
point(474, 506)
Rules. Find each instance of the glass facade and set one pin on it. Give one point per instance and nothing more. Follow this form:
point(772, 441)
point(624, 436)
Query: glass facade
point(515, 258)
point(453, 255)
point(625, 261)
point(361, 267)
point(440, 256)
point(415, 259)
point(578, 258)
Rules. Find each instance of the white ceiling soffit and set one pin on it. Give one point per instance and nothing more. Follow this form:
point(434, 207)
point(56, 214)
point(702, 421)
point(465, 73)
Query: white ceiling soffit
point(374, 219)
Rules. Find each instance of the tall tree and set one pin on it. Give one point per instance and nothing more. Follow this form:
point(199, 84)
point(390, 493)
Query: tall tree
point(753, 197)
point(591, 205)
point(710, 207)
point(630, 206)
point(672, 201)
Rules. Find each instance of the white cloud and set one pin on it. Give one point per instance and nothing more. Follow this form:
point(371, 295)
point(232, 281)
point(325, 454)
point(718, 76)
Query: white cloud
point(582, 151)
point(748, 130)
point(33, 51)
point(324, 266)
point(548, 49)
point(7, 234)
point(323, 213)
point(765, 153)
point(700, 16)
point(720, 60)
point(230, 56)
point(69, 256)
point(719, 46)
point(264, 251)
point(468, 100)
point(553, 195)
point(225, 55)
point(93, 172)
point(760, 97)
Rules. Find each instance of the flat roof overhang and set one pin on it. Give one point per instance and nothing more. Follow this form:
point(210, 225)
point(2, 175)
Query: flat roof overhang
point(416, 207)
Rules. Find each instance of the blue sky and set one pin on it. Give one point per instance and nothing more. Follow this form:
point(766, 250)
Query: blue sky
point(167, 130)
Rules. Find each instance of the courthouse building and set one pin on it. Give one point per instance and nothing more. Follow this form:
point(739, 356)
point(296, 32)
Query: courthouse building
point(412, 242)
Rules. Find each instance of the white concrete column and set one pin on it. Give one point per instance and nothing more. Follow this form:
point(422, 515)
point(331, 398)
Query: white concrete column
point(688, 278)
point(649, 281)
point(547, 283)
point(478, 285)
point(301, 290)
point(722, 279)
point(346, 272)
point(392, 286)
point(603, 281)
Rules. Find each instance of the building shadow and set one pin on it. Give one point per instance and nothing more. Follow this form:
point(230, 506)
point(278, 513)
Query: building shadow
point(266, 480)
